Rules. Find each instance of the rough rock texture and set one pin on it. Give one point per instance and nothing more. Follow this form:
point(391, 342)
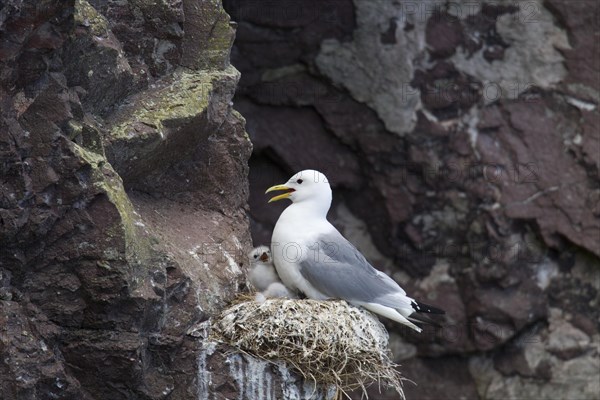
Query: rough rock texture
point(124, 194)
point(463, 143)
point(376, 67)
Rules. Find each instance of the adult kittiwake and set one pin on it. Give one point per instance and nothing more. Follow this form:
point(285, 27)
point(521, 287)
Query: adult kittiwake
point(311, 256)
point(264, 277)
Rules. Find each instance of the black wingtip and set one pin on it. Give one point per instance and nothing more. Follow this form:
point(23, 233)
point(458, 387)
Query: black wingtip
point(426, 308)
point(423, 319)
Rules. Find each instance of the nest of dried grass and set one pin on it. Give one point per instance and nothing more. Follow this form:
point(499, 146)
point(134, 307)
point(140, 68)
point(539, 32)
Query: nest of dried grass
point(328, 342)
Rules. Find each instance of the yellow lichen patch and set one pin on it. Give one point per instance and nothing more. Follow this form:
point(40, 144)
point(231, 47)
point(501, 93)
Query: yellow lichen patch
point(328, 342)
point(86, 15)
point(109, 182)
point(185, 96)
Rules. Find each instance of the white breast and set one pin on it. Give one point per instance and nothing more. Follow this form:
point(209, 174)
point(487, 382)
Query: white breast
point(262, 275)
point(292, 235)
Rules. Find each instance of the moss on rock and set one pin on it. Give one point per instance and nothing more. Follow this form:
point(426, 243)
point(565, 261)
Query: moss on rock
point(186, 96)
point(86, 15)
point(107, 181)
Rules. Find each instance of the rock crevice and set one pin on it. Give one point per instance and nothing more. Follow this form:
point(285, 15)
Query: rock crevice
point(124, 189)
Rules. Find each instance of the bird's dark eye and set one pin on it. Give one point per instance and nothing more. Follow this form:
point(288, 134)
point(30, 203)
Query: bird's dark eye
point(299, 181)
point(256, 256)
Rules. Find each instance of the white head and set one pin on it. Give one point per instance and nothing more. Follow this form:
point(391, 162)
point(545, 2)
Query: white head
point(307, 187)
point(262, 271)
point(260, 255)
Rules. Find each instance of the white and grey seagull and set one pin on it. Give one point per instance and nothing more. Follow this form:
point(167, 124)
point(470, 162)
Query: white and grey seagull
point(311, 256)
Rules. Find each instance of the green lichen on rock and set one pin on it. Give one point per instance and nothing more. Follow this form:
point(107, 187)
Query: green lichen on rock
point(91, 138)
point(85, 134)
point(86, 15)
point(209, 35)
point(107, 181)
point(186, 96)
point(168, 122)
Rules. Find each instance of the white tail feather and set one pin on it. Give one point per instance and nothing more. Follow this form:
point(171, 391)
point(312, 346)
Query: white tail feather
point(390, 313)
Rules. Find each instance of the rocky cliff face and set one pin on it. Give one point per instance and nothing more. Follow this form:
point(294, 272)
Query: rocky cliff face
point(461, 138)
point(123, 206)
point(462, 141)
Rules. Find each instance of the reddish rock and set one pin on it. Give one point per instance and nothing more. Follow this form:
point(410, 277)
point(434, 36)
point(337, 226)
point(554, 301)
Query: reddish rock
point(446, 91)
point(297, 145)
point(583, 59)
point(474, 184)
point(548, 183)
point(443, 34)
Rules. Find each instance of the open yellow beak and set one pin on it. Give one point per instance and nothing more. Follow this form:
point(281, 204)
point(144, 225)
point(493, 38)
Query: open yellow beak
point(281, 196)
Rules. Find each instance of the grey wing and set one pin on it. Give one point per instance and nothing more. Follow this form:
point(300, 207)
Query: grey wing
point(337, 269)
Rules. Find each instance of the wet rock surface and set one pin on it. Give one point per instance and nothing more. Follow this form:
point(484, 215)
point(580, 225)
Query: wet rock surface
point(462, 143)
